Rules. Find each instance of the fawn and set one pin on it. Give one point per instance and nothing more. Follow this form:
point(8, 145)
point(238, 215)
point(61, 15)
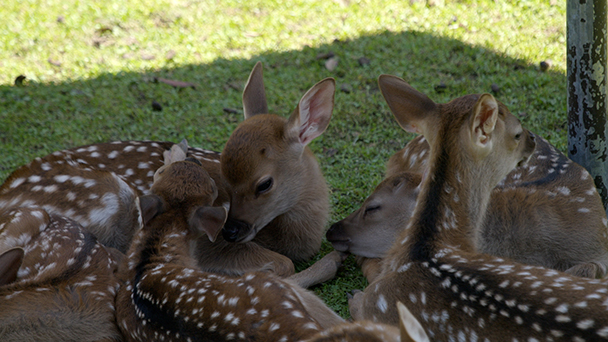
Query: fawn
point(57, 283)
point(166, 297)
point(433, 268)
point(529, 216)
point(266, 171)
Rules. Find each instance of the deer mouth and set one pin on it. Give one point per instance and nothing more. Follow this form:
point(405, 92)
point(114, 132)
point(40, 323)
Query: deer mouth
point(341, 246)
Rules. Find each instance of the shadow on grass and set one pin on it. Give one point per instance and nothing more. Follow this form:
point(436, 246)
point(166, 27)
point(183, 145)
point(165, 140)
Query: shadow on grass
point(36, 119)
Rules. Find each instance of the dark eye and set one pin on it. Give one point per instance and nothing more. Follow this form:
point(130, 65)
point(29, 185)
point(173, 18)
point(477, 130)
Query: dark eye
point(371, 209)
point(517, 136)
point(264, 186)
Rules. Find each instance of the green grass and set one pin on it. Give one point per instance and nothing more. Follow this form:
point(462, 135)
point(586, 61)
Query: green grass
point(90, 68)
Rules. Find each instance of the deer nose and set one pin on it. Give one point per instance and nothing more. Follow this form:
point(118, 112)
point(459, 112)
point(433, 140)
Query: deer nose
point(234, 228)
point(335, 232)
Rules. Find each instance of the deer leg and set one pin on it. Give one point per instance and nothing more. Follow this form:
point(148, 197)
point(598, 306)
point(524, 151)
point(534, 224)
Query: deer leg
point(355, 305)
point(588, 270)
point(240, 258)
point(370, 267)
point(321, 271)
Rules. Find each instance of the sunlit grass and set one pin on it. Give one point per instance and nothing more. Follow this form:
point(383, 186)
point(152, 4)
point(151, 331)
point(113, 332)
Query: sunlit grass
point(90, 69)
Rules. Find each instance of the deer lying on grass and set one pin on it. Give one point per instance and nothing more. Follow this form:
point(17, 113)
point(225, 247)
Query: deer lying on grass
point(272, 180)
point(167, 297)
point(529, 216)
point(57, 283)
point(433, 268)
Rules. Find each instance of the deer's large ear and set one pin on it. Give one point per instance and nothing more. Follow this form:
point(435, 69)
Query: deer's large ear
point(254, 94)
point(209, 220)
point(150, 206)
point(10, 261)
point(484, 121)
point(312, 115)
point(410, 107)
point(410, 327)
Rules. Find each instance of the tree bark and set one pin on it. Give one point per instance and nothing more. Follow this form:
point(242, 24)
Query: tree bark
point(587, 99)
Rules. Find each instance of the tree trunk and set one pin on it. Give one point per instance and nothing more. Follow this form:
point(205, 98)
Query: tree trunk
point(587, 105)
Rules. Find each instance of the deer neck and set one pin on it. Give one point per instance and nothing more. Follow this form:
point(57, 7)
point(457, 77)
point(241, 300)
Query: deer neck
point(453, 200)
point(164, 243)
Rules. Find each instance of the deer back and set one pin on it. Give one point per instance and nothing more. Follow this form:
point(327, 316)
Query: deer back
point(96, 185)
point(64, 286)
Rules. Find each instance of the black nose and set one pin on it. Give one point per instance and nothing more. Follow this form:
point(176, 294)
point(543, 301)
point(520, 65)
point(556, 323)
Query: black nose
point(233, 228)
point(333, 231)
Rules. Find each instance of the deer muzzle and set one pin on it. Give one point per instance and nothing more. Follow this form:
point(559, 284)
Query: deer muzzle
point(335, 235)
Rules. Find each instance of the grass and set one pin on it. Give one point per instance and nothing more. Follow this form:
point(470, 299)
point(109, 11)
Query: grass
point(90, 70)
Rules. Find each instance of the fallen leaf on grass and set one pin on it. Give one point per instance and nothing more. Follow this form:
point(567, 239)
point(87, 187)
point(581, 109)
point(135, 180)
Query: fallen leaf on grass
point(331, 64)
point(53, 62)
point(174, 83)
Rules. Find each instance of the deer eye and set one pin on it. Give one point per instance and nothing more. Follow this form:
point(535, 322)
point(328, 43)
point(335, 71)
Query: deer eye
point(518, 136)
point(371, 209)
point(264, 186)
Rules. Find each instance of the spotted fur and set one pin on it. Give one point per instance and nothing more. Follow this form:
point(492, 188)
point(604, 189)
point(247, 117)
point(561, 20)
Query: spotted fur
point(455, 292)
point(530, 215)
point(165, 297)
point(65, 286)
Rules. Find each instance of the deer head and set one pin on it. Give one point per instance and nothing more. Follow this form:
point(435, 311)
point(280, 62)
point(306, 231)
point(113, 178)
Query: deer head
point(267, 162)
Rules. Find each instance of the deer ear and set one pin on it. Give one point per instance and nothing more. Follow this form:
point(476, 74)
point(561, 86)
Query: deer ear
point(10, 261)
point(209, 220)
point(484, 121)
point(254, 94)
point(411, 329)
point(311, 117)
point(410, 107)
point(176, 153)
point(150, 206)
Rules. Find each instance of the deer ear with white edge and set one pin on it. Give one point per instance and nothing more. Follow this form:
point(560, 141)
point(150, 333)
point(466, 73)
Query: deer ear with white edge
point(150, 206)
point(484, 122)
point(311, 117)
point(409, 326)
point(254, 94)
point(209, 220)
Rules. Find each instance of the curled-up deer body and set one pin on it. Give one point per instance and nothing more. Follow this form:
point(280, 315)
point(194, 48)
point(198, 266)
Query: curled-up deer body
point(530, 216)
point(279, 197)
point(433, 268)
point(166, 297)
point(57, 283)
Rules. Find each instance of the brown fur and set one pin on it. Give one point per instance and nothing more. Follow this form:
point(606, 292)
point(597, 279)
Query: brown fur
point(452, 290)
point(291, 232)
point(65, 287)
point(530, 215)
point(165, 294)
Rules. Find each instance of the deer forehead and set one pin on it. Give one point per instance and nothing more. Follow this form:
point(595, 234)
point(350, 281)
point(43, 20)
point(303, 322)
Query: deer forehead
point(256, 145)
point(182, 180)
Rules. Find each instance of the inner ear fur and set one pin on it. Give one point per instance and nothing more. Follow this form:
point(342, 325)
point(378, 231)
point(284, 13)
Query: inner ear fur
point(313, 113)
point(254, 94)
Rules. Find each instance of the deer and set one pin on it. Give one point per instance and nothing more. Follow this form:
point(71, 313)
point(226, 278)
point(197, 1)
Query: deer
point(267, 176)
point(433, 268)
point(528, 220)
point(57, 282)
point(165, 296)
